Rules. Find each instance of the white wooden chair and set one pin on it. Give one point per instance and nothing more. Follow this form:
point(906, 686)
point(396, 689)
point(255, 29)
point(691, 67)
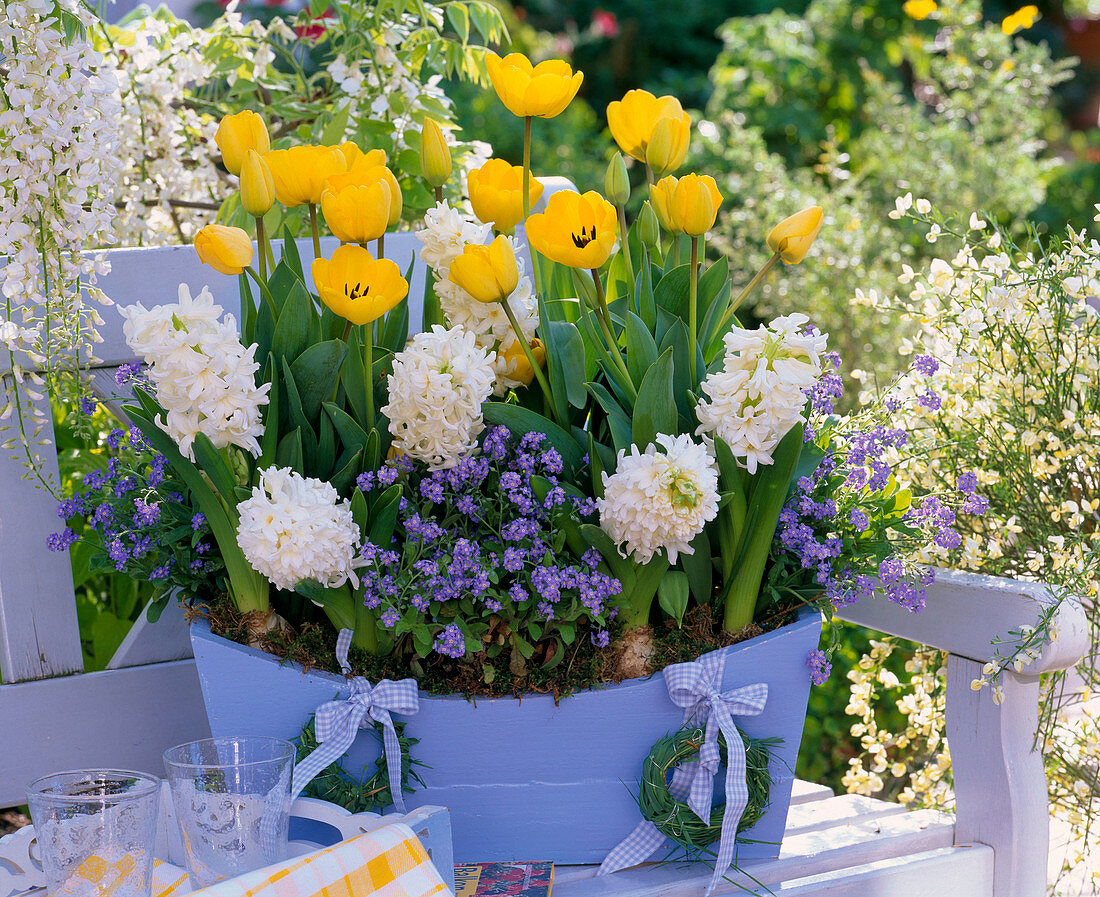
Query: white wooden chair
point(53, 716)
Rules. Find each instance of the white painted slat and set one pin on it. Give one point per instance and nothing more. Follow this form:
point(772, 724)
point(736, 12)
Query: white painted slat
point(965, 612)
point(166, 639)
point(803, 791)
point(846, 808)
point(118, 718)
point(38, 628)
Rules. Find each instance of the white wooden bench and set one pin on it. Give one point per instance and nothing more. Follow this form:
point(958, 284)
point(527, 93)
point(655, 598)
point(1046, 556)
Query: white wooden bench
point(52, 716)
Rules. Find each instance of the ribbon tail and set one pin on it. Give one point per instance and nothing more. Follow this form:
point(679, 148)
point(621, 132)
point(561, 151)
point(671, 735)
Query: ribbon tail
point(737, 798)
point(635, 848)
point(393, 762)
point(322, 756)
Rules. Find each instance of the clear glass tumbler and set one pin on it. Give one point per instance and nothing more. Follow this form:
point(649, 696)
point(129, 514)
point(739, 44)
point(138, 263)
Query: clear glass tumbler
point(232, 802)
point(95, 830)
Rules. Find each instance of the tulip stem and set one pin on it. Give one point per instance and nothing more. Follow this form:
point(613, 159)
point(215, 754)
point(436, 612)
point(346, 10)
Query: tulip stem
point(368, 364)
point(693, 303)
point(530, 355)
point(264, 291)
point(316, 232)
point(604, 317)
point(752, 285)
point(526, 191)
point(438, 195)
point(625, 238)
point(261, 242)
point(382, 246)
point(675, 250)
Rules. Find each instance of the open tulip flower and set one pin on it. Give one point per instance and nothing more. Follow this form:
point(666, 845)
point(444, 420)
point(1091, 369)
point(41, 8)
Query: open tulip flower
point(227, 250)
point(686, 205)
point(356, 210)
point(634, 121)
point(517, 365)
point(356, 158)
point(239, 133)
point(496, 193)
point(542, 91)
point(488, 273)
point(792, 237)
point(578, 231)
point(357, 286)
point(300, 172)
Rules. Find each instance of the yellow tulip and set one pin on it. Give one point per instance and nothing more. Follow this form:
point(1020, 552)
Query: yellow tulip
point(300, 172)
point(257, 185)
point(634, 121)
point(239, 133)
point(488, 273)
point(435, 155)
point(356, 208)
point(648, 231)
point(1020, 20)
point(792, 237)
point(616, 183)
point(543, 90)
point(355, 158)
point(381, 172)
point(496, 193)
point(516, 365)
point(227, 250)
point(686, 205)
point(578, 231)
point(919, 9)
point(357, 286)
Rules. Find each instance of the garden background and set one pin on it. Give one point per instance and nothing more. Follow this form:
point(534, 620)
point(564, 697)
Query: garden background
point(985, 112)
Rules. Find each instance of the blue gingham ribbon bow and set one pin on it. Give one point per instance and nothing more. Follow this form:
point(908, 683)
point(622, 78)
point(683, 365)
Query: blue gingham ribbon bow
point(696, 687)
point(337, 722)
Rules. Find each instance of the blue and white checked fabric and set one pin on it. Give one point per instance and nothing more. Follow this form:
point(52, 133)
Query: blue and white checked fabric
point(695, 687)
point(337, 723)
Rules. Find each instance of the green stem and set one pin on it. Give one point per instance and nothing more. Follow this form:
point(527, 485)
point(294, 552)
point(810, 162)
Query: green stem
point(693, 303)
point(530, 355)
point(675, 250)
point(347, 332)
point(261, 240)
point(438, 195)
point(536, 267)
point(365, 634)
point(604, 317)
point(382, 246)
point(368, 363)
point(624, 238)
point(752, 285)
point(316, 232)
point(264, 291)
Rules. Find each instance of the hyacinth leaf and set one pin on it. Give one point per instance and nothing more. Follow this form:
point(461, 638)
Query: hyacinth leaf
point(618, 421)
point(353, 376)
point(295, 319)
point(577, 544)
point(672, 595)
point(315, 373)
point(731, 484)
point(290, 254)
point(641, 350)
point(326, 447)
point(624, 569)
point(432, 314)
point(384, 516)
point(597, 465)
point(265, 333)
point(636, 603)
point(655, 410)
point(269, 442)
point(360, 513)
point(372, 454)
point(290, 451)
point(699, 568)
point(643, 298)
point(347, 468)
point(214, 465)
point(522, 420)
point(338, 604)
point(671, 292)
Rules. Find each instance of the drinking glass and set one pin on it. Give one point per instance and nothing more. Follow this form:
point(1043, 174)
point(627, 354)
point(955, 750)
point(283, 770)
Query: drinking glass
point(232, 803)
point(95, 829)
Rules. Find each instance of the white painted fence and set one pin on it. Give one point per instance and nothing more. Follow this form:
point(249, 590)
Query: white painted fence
point(52, 716)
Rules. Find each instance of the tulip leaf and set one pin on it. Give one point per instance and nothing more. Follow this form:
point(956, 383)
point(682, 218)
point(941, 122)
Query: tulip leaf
point(353, 375)
point(307, 438)
point(265, 333)
point(565, 363)
point(290, 451)
point(597, 347)
point(618, 278)
point(712, 330)
point(360, 513)
point(643, 298)
point(326, 448)
point(292, 330)
point(269, 441)
point(672, 595)
point(596, 459)
point(641, 350)
point(432, 313)
point(395, 328)
point(617, 420)
point(677, 340)
point(522, 420)
point(315, 375)
point(281, 283)
point(372, 454)
point(699, 567)
point(655, 410)
point(291, 255)
point(352, 436)
point(710, 286)
point(671, 292)
point(248, 311)
point(347, 469)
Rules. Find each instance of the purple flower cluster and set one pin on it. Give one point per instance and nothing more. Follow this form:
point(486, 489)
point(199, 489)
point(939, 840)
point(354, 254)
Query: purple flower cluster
point(478, 541)
point(819, 666)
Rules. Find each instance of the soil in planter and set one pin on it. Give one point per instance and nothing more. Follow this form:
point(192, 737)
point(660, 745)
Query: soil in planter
point(313, 646)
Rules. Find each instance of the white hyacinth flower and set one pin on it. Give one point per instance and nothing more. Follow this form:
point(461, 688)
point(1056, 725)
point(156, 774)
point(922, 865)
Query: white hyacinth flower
point(295, 528)
point(435, 393)
point(205, 379)
point(760, 393)
point(445, 234)
point(660, 500)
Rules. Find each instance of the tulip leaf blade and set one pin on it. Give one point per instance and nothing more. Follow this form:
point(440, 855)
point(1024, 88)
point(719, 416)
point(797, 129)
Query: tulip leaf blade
point(292, 329)
point(643, 298)
point(248, 311)
point(354, 377)
point(315, 373)
point(326, 447)
point(671, 292)
point(641, 350)
point(677, 339)
point(655, 410)
point(523, 420)
point(307, 438)
point(347, 469)
point(710, 285)
point(269, 442)
point(290, 450)
point(395, 328)
point(280, 284)
point(565, 362)
point(618, 421)
point(291, 255)
point(352, 436)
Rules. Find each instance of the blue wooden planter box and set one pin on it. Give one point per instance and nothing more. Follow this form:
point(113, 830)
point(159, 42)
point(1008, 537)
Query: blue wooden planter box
point(528, 779)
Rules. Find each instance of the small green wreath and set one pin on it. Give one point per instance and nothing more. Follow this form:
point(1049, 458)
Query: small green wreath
point(675, 819)
point(335, 785)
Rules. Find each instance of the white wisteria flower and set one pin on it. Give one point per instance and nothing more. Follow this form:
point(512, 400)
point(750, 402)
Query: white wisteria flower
point(660, 500)
point(760, 392)
point(435, 393)
point(295, 528)
point(205, 379)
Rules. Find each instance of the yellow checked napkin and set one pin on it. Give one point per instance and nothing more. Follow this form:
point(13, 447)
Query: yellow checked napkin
point(387, 862)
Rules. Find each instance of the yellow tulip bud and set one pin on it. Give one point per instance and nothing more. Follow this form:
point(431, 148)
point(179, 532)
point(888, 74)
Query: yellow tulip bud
point(578, 231)
point(257, 185)
point(919, 9)
point(488, 273)
point(660, 195)
point(496, 193)
point(667, 147)
point(435, 155)
point(301, 171)
point(516, 365)
point(543, 90)
point(237, 134)
point(357, 286)
point(686, 205)
point(227, 250)
point(792, 237)
point(649, 231)
point(616, 184)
